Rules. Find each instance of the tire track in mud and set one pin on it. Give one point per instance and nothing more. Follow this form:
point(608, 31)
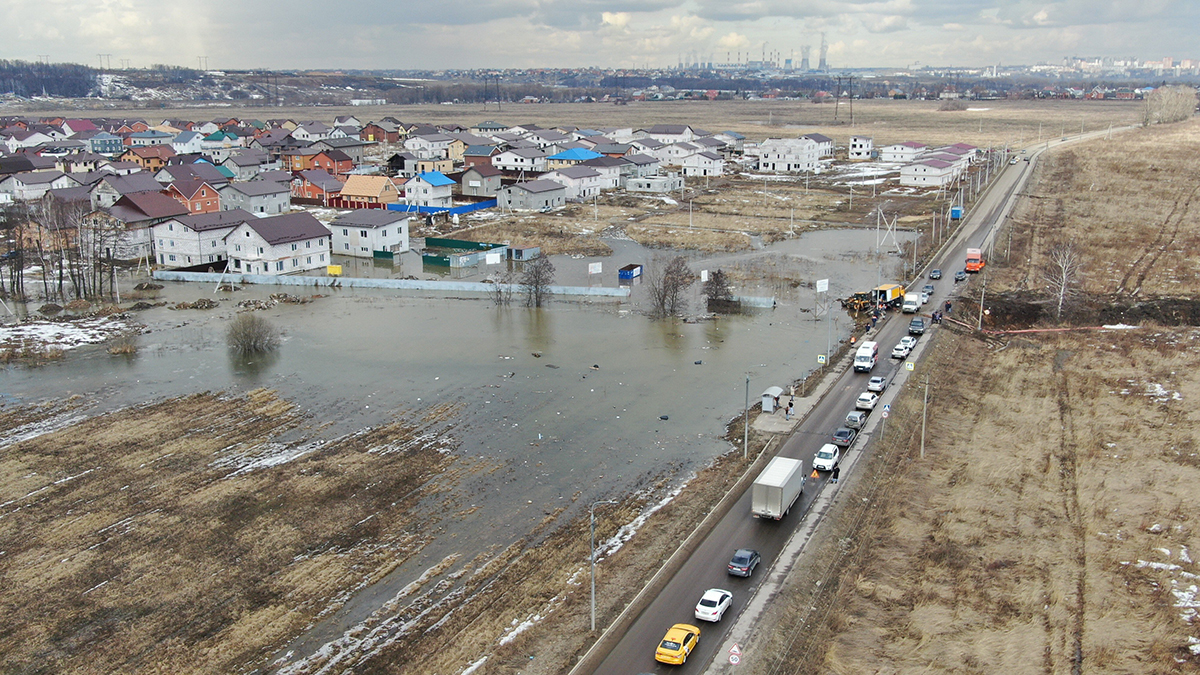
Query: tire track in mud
point(1068, 477)
point(1156, 248)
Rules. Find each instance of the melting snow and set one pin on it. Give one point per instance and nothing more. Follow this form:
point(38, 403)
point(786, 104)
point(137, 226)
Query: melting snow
point(62, 334)
point(264, 456)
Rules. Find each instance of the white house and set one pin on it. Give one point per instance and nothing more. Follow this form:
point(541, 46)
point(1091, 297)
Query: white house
point(534, 195)
point(861, 147)
point(927, 173)
point(187, 142)
point(904, 153)
point(257, 196)
point(521, 159)
point(287, 244)
point(611, 169)
point(670, 133)
point(431, 188)
point(704, 164)
point(364, 232)
point(429, 146)
point(644, 165)
point(33, 184)
point(824, 144)
point(582, 182)
point(657, 184)
point(311, 131)
point(184, 241)
point(675, 153)
point(788, 155)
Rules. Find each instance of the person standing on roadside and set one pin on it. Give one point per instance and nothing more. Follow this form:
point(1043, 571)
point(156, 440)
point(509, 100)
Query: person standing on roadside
point(833, 477)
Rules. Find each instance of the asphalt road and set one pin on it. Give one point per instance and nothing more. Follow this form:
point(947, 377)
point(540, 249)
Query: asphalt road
point(705, 569)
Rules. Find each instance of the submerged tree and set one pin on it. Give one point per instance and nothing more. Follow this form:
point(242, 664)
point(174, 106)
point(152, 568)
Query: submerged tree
point(717, 287)
point(250, 334)
point(536, 281)
point(667, 285)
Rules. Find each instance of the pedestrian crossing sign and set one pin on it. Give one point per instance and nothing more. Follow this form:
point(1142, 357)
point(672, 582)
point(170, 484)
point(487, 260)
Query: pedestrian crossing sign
point(820, 358)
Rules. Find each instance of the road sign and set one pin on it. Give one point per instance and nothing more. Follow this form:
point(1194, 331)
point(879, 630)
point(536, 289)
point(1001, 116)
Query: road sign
point(885, 414)
point(887, 407)
point(822, 285)
point(736, 649)
point(820, 358)
point(734, 659)
point(909, 365)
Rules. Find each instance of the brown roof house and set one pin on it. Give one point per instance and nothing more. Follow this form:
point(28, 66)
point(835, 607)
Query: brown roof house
point(368, 192)
point(122, 231)
point(287, 244)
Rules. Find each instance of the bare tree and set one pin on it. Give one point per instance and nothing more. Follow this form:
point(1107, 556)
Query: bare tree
point(667, 284)
point(1169, 104)
point(502, 290)
point(14, 220)
point(536, 281)
point(1062, 275)
point(250, 334)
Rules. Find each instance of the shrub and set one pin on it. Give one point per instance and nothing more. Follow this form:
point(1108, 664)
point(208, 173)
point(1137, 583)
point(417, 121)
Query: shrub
point(251, 334)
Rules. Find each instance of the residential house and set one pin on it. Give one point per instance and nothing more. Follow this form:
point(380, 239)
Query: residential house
point(365, 192)
point(788, 155)
point(197, 195)
point(429, 189)
point(285, 244)
point(440, 165)
point(335, 162)
point(402, 164)
point(477, 155)
point(15, 164)
point(368, 233)
point(521, 159)
point(655, 183)
point(132, 218)
point(18, 140)
point(32, 185)
point(74, 127)
point(671, 133)
point(481, 180)
point(535, 195)
point(488, 127)
point(219, 145)
point(824, 144)
point(347, 121)
point(187, 142)
point(927, 173)
point(380, 132)
point(545, 138)
point(299, 159)
point(429, 146)
point(186, 241)
point(570, 158)
point(150, 137)
point(110, 189)
point(582, 182)
point(149, 157)
point(353, 147)
point(611, 170)
point(104, 143)
point(311, 131)
point(736, 142)
point(316, 185)
point(861, 147)
point(247, 164)
point(82, 162)
point(703, 164)
point(904, 153)
point(257, 196)
point(196, 170)
point(672, 155)
point(614, 149)
point(644, 165)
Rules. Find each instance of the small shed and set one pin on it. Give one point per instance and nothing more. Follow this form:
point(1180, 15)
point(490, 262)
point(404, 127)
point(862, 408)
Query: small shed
point(629, 271)
point(770, 399)
point(524, 252)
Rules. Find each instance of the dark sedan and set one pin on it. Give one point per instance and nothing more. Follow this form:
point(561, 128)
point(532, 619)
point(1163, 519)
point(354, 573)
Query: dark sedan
point(744, 561)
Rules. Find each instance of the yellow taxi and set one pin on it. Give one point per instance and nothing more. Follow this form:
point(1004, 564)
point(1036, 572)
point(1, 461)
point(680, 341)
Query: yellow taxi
point(679, 641)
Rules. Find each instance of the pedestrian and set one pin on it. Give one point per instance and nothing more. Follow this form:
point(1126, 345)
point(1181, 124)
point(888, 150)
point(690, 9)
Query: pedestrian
point(789, 410)
point(947, 306)
point(833, 477)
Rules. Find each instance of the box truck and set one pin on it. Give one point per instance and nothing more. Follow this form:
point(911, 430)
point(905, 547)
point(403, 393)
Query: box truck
point(777, 488)
point(974, 260)
point(912, 303)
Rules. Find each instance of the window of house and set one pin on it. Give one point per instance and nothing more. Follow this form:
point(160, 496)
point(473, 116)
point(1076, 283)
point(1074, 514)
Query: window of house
point(308, 260)
point(295, 247)
point(385, 233)
point(162, 258)
point(364, 232)
point(345, 232)
point(308, 244)
point(322, 257)
point(247, 233)
point(160, 243)
point(347, 245)
point(237, 247)
point(214, 243)
point(295, 262)
point(260, 250)
point(171, 257)
point(237, 264)
point(171, 226)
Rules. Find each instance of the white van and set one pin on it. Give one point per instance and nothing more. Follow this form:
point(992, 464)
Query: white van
point(866, 356)
point(912, 303)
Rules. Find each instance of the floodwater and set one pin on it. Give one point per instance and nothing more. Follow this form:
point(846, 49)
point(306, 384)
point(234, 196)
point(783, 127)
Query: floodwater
point(614, 400)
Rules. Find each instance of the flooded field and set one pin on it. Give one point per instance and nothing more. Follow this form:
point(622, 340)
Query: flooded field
point(552, 408)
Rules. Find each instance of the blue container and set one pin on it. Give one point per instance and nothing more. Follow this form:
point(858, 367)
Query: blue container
point(956, 212)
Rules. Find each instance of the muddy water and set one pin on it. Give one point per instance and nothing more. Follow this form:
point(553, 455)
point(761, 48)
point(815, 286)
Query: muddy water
point(613, 401)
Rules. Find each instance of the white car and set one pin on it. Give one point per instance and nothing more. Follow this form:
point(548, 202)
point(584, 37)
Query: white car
point(924, 298)
point(866, 401)
point(909, 341)
point(877, 384)
point(713, 604)
point(900, 351)
point(827, 457)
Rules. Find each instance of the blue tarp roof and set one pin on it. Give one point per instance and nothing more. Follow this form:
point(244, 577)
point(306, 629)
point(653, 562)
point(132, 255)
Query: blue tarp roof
point(435, 178)
point(575, 155)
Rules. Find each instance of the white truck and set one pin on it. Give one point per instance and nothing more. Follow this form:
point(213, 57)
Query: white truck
point(777, 488)
point(912, 303)
point(866, 356)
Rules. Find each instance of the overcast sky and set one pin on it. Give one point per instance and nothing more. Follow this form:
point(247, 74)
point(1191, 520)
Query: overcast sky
point(439, 34)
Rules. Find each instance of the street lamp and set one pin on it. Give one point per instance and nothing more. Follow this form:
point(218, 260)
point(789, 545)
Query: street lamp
point(593, 556)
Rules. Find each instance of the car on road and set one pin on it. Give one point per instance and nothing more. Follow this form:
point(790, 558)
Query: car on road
point(1014, 160)
point(916, 326)
point(844, 437)
point(713, 604)
point(909, 341)
point(679, 641)
point(928, 289)
point(935, 275)
point(901, 350)
point(924, 297)
point(877, 384)
point(855, 419)
point(744, 561)
point(866, 401)
point(827, 457)
point(960, 275)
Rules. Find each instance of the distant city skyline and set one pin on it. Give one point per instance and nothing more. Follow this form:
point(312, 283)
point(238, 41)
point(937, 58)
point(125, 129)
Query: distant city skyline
point(460, 34)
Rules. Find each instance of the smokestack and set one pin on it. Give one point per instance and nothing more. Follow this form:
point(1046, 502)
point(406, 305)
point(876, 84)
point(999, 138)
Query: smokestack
point(804, 51)
point(823, 65)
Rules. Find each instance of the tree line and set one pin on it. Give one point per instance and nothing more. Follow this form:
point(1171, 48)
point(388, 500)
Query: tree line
point(55, 79)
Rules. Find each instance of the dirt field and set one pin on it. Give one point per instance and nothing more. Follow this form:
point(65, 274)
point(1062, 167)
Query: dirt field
point(1050, 525)
point(887, 121)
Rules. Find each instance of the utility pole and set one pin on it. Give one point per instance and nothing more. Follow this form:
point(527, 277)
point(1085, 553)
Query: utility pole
point(746, 422)
point(982, 291)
